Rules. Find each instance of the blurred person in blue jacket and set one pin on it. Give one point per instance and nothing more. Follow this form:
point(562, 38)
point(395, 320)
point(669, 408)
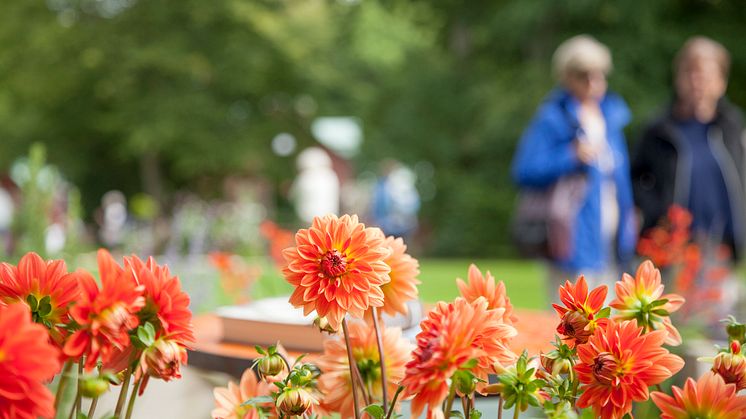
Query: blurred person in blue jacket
point(395, 200)
point(579, 129)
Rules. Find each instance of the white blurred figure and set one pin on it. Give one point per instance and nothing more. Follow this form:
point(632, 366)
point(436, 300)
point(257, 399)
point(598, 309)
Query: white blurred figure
point(114, 219)
point(315, 191)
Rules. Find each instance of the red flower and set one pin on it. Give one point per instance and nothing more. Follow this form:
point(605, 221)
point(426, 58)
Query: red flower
point(27, 360)
point(337, 267)
point(709, 397)
point(46, 287)
point(105, 315)
point(618, 364)
point(579, 316)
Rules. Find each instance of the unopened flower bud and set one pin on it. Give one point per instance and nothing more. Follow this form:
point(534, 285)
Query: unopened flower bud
point(464, 381)
point(732, 367)
point(323, 324)
point(294, 401)
point(92, 387)
point(163, 360)
point(575, 325)
point(496, 388)
point(271, 365)
point(736, 331)
point(555, 366)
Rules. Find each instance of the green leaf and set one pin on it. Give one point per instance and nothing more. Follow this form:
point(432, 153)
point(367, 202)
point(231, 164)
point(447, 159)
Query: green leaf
point(258, 400)
point(144, 336)
point(260, 350)
point(469, 364)
point(658, 303)
point(661, 312)
point(375, 410)
point(604, 313)
point(456, 414)
point(82, 415)
point(32, 302)
point(475, 414)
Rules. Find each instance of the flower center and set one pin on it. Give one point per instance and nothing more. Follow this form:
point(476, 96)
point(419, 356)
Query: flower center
point(333, 264)
point(604, 368)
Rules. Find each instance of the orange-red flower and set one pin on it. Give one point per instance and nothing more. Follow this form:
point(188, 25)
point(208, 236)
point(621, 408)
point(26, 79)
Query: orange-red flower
point(46, 287)
point(228, 401)
point(337, 267)
point(579, 315)
point(105, 314)
point(709, 397)
point(618, 364)
point(451, 335)
point(485, 286)
point(166, 304)
point(335, 381)
point(162, 360)
point(642, 298)
point(27, 360)
point(404, 271)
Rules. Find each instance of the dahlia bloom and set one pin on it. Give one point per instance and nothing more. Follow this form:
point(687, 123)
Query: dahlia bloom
point(641, 298)
point(337, 267)
point(404, 271)
point(229, 400)
point(451, 335)
point(709, 397)
point(335, 382)
point(579, 316)
point(731, 366)
point(106, 314)
point(162, 360)
point(27, 360)
point(618, 364)
point(166, 304)
point(485, 286)
point(46, 287)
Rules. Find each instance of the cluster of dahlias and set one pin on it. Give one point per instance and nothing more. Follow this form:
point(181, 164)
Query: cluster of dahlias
point(132, 324)
point(607, 357)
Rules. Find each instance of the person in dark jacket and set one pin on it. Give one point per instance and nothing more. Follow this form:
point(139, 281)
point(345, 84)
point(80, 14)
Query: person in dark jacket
point(693, 155)
point(578, 130)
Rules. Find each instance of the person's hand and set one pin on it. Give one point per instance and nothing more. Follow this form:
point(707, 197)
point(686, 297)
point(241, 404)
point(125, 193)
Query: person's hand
point(586, 153)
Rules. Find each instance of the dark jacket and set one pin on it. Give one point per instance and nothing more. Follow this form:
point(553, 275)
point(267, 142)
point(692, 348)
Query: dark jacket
point(546, 152)
point(661, 168)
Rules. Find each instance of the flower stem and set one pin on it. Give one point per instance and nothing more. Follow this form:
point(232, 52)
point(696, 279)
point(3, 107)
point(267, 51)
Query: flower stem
point(123, 393)
point(449, 402)
point(352, 364)
point(379, 341)
point(133, 397)
point(63, 382)
point(393, 401)
point(499, 407)
point(92, 409)
point(465, 406)
point(78, 394)
point(516, 411)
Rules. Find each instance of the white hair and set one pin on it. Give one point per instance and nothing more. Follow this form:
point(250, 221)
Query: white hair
point(580, 53)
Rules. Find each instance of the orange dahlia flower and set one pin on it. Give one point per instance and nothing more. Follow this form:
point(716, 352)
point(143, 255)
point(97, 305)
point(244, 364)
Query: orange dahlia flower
point(709, 397)
point(335, 381)
point(485, 286)
point(618, 364)
point(731, 366)
point(451, 335)
point(579, 316)
point(46, 287)
point(105, 314)
point(229, 400)
point(166, 304)
point(337, 267)
point(27, 360)
point(641, 298)
point(404, 271)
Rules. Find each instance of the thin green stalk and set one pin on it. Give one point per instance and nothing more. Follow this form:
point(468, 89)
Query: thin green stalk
point(499, 407)
point(449, 402)
point(393, 401)
point(123, 393)
point(78, 392)
point(63, 382)
point(352, 364)
point(379, 342)
point(133, 397)
point(465, 406)
point(516, 411)
point(92, 409)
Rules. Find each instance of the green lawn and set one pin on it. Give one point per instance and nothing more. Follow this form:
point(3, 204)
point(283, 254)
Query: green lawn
point(524, 280)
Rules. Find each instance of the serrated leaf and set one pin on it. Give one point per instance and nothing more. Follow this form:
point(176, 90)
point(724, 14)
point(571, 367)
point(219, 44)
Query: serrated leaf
point(375, 410)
